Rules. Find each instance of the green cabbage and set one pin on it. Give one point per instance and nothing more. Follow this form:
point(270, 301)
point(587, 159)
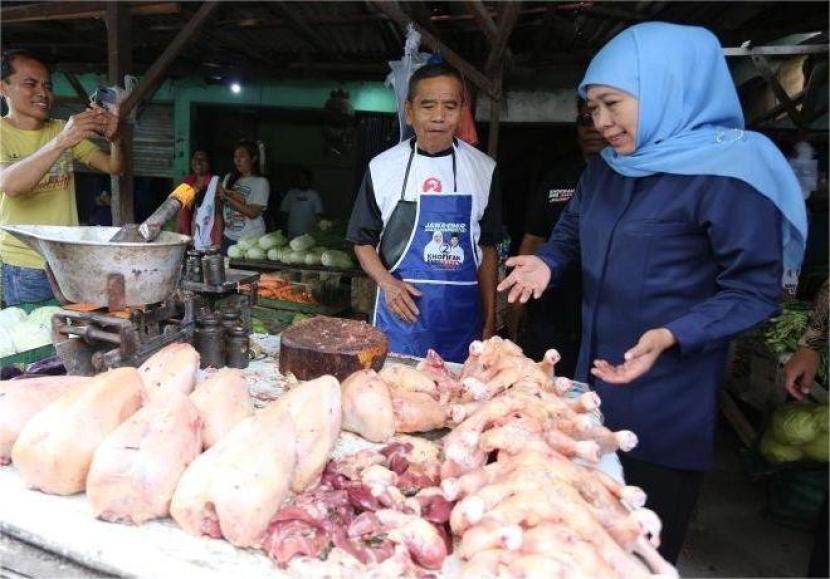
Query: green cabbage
point(29, 335)
point(312, 258)
point(821, 414)
point(302, 243)
point(273, 254)
point(254, 252)
point(247, 241)
point(325, 224)
point(6, 343)
point(818, 449)
point(236, 252)
point(776, 452)
point(336, 258)
point(12, 316)
point(272, 240)
point(43, 316)
point(794, 424)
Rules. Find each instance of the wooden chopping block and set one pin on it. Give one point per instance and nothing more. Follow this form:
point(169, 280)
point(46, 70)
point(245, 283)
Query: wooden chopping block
point(324, 345)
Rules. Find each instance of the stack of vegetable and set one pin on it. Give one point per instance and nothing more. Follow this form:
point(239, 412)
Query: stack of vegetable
point(797, 431)
point(302, 250)
point(20, 332)
point(274, 288)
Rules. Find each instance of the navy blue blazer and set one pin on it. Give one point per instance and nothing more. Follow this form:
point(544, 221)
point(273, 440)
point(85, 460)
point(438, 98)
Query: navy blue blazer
point(699, 255)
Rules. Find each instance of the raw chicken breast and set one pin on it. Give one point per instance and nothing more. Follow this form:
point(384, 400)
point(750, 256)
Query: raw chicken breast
point(236, 486)
point(55, 448)
point(223, 402)
point(135, 470)
point(417, 412)
point(367, 406)
point(317, 412)
point(22, 399)
point(171, 368)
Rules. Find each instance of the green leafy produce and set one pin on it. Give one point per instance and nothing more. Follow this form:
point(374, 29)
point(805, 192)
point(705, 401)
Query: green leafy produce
point(818, 449)
point(43, 316)
point(785, 331)
point(312, 258)
point(11, 316)
point(821, 414)
point(273, 254)
point(6, 343)
point(272, 240)
point(302, 243)
point(247, 241)
point(254, 252)
point(325, 224)
point(30, 335)
point(258, 326)
point(794, 424)
point(776, 452)
point(337, 258)
point(236, 252)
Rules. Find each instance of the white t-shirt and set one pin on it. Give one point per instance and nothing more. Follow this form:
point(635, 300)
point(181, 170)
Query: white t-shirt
point(255, 190)
point(303, 207)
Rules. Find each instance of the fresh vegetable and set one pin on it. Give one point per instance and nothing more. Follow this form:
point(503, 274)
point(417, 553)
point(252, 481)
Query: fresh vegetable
point(312, 259)
point(248, 241)
point(797, 431)
point(255, 252)
point(43, 315)
point(258, 326)
point(325, 224)
point(6, 343)
point(272, 240)
point(11, 316)
point(794, 424)
point(783, 332)
point(29, 335)
point(236, 252)
point(336, 258)
point(776, 452)
point(302, 243)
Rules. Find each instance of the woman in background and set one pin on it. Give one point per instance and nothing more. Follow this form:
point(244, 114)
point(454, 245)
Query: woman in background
point(203, 220)
point(244, 194)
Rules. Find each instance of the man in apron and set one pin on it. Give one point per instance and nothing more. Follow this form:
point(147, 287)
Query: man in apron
point(432, 187)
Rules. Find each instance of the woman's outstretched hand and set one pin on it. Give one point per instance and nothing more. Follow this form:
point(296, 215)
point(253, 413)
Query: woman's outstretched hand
point(530, 277)
point(638, 360)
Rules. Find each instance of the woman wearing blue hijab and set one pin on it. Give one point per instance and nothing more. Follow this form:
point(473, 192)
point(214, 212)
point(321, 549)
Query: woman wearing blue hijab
point(682, 227)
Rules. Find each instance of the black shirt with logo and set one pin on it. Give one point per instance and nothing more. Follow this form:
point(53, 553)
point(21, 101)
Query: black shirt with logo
point(553, 321)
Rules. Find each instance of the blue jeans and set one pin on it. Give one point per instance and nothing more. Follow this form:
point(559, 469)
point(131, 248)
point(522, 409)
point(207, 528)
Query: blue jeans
point(25, 285)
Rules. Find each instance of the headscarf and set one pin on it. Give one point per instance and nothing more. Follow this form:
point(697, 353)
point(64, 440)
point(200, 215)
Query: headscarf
point(690, 119)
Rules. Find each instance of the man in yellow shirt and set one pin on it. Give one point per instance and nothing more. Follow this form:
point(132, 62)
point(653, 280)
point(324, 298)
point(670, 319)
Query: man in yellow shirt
point(37, 185)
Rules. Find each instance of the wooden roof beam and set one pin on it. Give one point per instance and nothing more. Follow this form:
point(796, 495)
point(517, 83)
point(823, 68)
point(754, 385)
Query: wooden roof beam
point(507, 22)
point(484, 21)
point(763, 67)
point(77, 86)
point(155, 75)
point(41, 11)
point(393, 10)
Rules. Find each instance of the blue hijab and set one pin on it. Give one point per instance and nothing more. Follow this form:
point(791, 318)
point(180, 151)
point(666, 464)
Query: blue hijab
point(691, 122)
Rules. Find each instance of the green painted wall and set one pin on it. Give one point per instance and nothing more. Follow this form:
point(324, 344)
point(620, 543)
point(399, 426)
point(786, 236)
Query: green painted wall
point(188, 91)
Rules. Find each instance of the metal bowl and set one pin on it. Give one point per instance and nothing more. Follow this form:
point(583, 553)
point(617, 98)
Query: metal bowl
point(81, 258)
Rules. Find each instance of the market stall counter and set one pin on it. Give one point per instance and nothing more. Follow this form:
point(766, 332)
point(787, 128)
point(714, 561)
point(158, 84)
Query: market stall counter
point(387, 471)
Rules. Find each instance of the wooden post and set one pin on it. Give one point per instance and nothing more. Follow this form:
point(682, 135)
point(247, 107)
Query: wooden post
point(495, 114)
point(77, 86)
point(119, 45)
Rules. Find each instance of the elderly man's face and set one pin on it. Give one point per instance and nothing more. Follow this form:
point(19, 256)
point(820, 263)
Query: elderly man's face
point(434, 112)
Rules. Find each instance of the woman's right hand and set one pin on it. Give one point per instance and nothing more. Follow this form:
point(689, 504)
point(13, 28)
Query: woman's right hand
point(800, 372)
point(530, 277)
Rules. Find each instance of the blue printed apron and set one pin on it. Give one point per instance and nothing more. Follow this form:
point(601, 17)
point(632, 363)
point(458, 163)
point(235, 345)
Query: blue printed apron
point(441, 262)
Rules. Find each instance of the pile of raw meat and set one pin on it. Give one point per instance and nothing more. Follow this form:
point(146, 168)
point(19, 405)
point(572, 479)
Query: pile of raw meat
point(514, 484)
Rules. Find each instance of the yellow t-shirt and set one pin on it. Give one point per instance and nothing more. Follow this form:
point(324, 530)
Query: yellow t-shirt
point(51, 202)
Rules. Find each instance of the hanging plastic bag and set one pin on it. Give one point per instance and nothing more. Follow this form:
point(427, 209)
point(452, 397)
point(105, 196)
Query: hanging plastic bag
point(402, 70)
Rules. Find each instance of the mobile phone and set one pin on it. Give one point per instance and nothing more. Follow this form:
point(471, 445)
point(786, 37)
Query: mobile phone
point(103, 97)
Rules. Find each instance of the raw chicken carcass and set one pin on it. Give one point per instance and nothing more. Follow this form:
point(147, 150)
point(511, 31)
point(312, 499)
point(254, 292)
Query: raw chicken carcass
point(236, 486)
point(22, 399)
point(223, 402)
point(55, 448)
point(317, 414)
point(171, 368)
point(400, 377)
point(136, 468)
point(417, 412)
point(367, 406)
